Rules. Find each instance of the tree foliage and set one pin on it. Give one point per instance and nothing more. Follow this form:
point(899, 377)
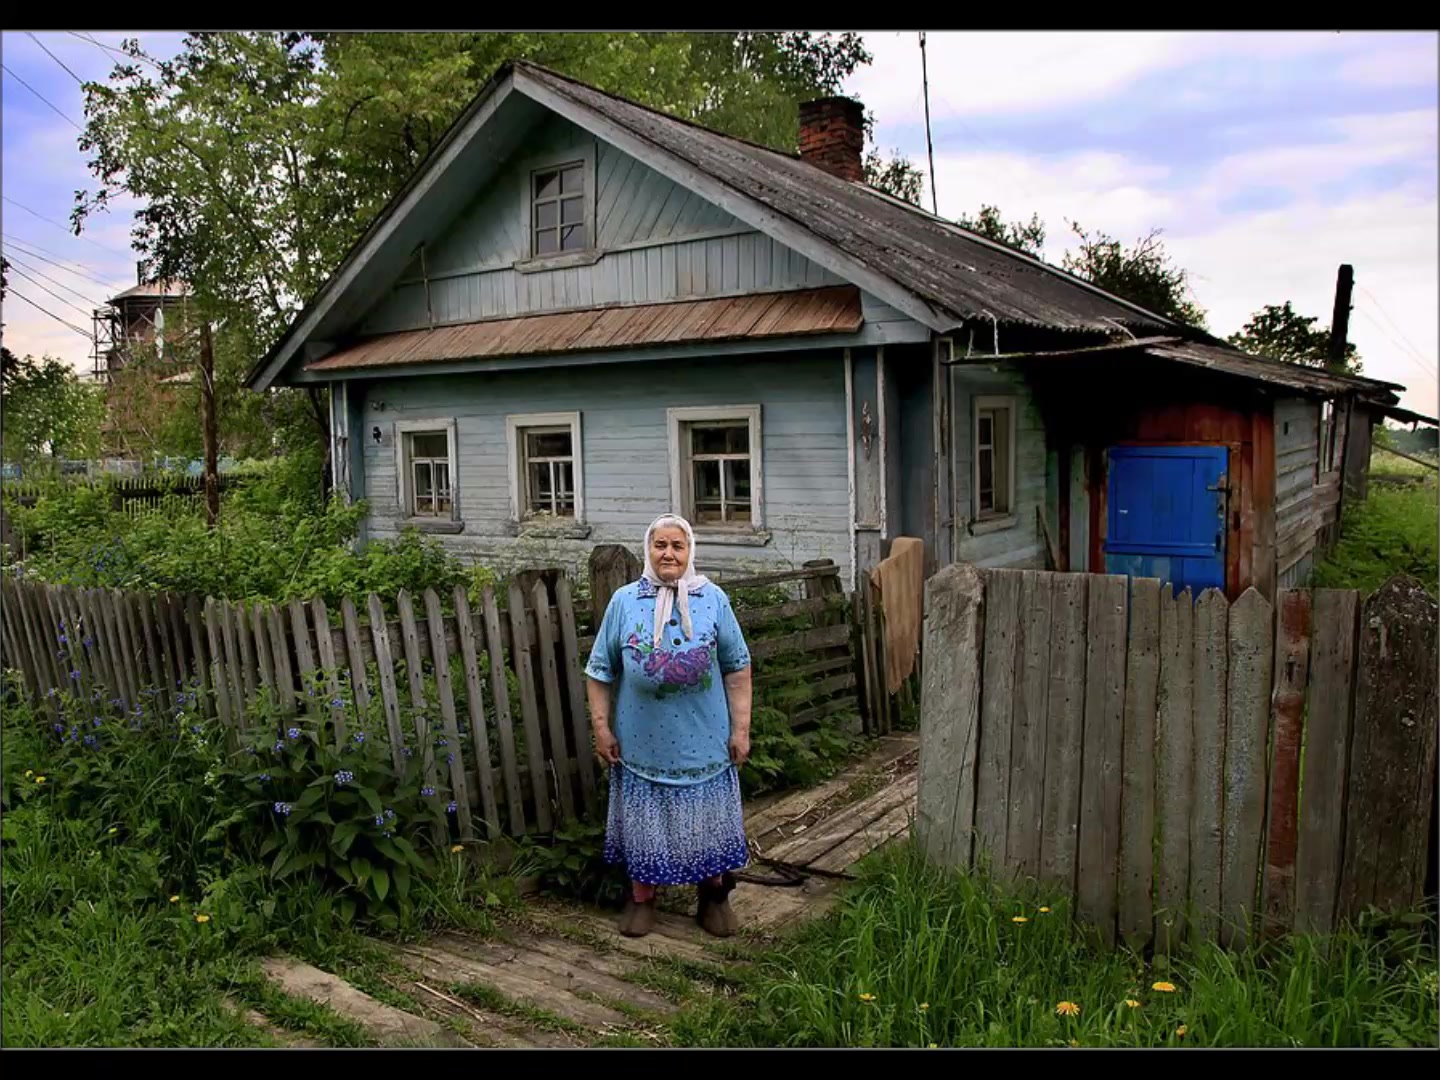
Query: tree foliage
point(1026, 236)
point(1281, 332)
point(48, 411)
point(1143, 274)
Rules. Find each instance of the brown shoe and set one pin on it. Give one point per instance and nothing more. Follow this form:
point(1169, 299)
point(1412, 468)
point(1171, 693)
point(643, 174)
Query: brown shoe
point(715, 915)
point(637, 919)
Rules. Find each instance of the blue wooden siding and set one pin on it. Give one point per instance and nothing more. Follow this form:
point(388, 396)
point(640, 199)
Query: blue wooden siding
point(626, 453)
point(660, 242)
point(1020, 544)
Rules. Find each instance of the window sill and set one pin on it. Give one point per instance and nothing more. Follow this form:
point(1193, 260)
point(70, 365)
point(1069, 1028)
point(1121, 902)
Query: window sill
point(549, 530)
point(733, 537)
point(432, 525)
point(981, 526)
point(556, 262)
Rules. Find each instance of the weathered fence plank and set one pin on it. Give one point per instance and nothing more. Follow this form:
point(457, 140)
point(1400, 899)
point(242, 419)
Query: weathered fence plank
point(325, 648)
point(237, 661)
point(415, 674)
point(1175, 766)
point(1292, 673)
point(504, 726)
point(1251, 654)
point(1098, 848)
point(103, 675)
point(198, 642)
point(263, 660)
point(1030, 710)
point(218, 678)
point(157, 675)
point(611, 567)
point(820, 637)
point(1392, 757)
point(355, 651)
point(385, 666)
point(1136, 911)
point(1064, 727)
point(475, 699)
point(280, 658)
point(304, 654)
point(440, 656)
point(1002, 641)
point(954, 606)
point(114, 616)
point(1208, 805)
point(1316, 858)
point(43, 641)
point(18, 649)
point(554, 711)
point(183, 660)
point(575, 683)
point(529, 710)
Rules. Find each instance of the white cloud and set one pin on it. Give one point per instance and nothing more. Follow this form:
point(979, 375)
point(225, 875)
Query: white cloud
point(1408, 61)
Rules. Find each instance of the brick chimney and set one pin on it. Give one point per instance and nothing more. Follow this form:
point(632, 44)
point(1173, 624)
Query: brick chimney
point(832, 136)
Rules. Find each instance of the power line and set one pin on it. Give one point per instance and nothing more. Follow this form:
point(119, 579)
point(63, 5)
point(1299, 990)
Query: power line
point(1393, 324)
point(38, 252)
point(57, 60)
point(1420, 364)
point(58, 225)
point(42, 97)
point(57, 318)
point(52, 292)
point(11, 258)
point(111, 48)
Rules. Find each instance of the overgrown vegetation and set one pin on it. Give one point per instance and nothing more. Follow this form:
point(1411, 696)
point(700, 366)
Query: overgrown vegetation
point(920, 957)
point(1391, 532)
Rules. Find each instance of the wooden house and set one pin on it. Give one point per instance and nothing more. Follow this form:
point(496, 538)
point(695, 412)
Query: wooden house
point(580, 313)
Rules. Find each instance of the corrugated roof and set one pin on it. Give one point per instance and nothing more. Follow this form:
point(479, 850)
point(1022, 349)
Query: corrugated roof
point(833, 310)
point(1278, 372)
point(157, 290)
point(952, 269)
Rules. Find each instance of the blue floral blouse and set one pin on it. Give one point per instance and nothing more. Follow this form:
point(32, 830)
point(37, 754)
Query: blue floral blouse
point(671, 715)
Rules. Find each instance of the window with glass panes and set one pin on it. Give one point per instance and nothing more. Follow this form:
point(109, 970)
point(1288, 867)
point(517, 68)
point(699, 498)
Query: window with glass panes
point(993, 497)
point(428, 455)
point(719, 453)
point(549, 456)
point(557, 210)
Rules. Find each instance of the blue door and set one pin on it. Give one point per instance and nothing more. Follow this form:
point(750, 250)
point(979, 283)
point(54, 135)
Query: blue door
point(1167, 509)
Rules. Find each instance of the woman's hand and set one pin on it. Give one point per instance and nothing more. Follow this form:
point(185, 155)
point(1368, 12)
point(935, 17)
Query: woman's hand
point(739, 747)
point(607, 747)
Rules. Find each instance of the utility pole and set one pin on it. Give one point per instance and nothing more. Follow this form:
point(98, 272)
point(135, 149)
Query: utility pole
point(207, 427)
point(929, 146)
point(1340, 320)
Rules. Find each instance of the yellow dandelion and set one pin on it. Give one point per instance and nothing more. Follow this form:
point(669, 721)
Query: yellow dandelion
point(29, 773)
point(1067, 1008)
point(174, 899)
point(924, 1006)
point(1019, 919)
point(1044, 911)
point(455, 850)
point(1164, 988)
point(934, 1047)
point(202, 918)
point(1181, 1031)
point(113, 830)
point(867, 998)
point(39, 779)
point(1131, 1003)
point(1074, 1044)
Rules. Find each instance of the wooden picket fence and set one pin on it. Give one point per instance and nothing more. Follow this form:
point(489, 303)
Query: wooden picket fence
point(1142, 753)
point(500, 681)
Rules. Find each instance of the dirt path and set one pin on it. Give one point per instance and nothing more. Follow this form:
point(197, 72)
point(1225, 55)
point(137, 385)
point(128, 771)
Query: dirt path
point(562, 976)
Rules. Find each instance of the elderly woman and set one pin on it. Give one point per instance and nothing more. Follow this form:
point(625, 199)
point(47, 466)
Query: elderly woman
point(669, 689)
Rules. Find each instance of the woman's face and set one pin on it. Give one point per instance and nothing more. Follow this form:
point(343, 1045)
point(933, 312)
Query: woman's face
point(669, 552)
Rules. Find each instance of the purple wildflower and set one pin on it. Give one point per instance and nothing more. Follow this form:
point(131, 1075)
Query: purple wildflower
point(451, 808)
point(90, 740)
point(338, 703)
point(390, 813)
point(359, 736)
point(283, 808)
point(406, 751)
point(264, 778)
point(427, 791)
point(279, 746)
point(343, 777)
point(379, 822)
point(293, 733)
point(442, 742)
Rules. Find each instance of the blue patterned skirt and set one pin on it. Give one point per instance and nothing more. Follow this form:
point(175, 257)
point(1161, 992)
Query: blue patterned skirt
point(673, 834)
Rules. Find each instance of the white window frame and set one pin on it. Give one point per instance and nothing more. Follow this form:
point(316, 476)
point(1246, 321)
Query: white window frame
point(981, 403)
point(515, 428)
point(681, 475)
point(406, 428)
point(584, 156)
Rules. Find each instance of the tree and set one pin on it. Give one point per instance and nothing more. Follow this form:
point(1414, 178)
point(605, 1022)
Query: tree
point(1143, 274)
point(1282, 333)
point(895, 176)
point(1028, 237)
point(47, 410)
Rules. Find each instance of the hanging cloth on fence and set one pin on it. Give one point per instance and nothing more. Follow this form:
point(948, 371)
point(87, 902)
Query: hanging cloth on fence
point(901, 581)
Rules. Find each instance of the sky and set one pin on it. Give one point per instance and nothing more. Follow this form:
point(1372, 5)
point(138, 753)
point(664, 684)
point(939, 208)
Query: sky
point(1267, 159)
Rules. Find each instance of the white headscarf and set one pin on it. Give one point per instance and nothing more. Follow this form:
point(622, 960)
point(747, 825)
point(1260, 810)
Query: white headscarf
point(669, 596)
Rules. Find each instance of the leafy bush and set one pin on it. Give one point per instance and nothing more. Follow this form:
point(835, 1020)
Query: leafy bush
point(571, 864)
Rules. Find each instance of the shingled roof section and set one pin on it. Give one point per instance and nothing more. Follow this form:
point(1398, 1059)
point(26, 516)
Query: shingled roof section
point(954, 270)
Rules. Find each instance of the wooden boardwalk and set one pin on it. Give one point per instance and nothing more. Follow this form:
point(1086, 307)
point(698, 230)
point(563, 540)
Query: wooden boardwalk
point(562, 976)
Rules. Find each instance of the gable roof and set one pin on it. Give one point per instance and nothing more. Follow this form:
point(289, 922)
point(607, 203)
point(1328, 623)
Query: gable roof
point(932, 270)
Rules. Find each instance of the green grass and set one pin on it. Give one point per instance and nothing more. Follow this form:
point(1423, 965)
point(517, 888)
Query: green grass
point(916, 957)
point(1392, 532)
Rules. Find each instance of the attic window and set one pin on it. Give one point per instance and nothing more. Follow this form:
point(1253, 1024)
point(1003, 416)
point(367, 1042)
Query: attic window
point(557, 210)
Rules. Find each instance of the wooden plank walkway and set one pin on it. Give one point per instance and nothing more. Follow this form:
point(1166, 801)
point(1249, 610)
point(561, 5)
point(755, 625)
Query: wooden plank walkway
point(562, 976)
